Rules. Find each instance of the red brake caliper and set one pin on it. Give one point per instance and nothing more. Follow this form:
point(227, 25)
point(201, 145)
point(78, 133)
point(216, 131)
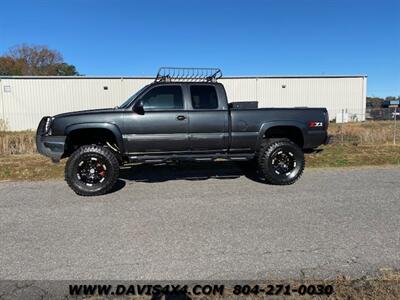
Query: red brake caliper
point(101, 170)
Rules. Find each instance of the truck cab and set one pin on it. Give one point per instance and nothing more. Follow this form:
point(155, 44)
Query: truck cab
point(178, 118)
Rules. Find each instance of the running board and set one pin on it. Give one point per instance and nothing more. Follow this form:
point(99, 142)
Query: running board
point(189, 157)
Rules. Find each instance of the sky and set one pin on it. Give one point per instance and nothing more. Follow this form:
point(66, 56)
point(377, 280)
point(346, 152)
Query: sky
point(270, 37)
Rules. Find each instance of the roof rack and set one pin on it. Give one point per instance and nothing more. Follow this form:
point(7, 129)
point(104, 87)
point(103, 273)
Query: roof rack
point(169, 74)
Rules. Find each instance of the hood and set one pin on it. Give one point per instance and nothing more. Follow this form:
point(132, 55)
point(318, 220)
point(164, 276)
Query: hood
point(86, 112)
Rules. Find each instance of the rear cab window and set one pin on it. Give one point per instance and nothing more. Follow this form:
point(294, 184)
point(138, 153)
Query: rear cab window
point(203, 97)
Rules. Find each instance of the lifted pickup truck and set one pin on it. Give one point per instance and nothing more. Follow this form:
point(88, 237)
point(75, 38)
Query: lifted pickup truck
point(184, 114)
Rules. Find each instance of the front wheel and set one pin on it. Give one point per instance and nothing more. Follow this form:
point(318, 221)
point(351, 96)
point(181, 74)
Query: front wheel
point(92, 170)
point(280, 161)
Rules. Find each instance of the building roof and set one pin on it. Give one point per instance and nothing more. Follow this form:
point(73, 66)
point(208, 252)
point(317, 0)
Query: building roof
point(152, 77)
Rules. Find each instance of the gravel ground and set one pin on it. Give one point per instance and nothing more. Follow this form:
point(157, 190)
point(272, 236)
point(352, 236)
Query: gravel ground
point(208, 222)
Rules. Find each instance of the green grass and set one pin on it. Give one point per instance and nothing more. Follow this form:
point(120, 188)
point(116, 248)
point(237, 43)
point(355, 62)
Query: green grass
point(29, 167)
point(353, 156)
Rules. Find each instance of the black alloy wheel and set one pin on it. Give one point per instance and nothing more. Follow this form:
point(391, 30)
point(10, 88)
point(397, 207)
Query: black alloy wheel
point(280, 161)
point(92, 170)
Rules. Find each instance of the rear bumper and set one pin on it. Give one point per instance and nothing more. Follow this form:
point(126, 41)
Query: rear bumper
point(327, 140)
point(315, 138)
point(47, 145)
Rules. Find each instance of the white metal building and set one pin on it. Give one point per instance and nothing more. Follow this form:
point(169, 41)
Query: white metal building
point(24, 100)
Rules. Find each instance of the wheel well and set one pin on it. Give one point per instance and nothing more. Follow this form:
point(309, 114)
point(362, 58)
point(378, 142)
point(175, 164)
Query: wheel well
point(88, 136)
point(293, 133)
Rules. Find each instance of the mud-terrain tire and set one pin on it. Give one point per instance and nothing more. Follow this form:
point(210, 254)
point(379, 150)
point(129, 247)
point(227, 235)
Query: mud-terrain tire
point(92, 170)
point(280, 161)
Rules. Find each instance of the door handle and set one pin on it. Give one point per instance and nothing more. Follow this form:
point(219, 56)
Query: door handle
point(180, 118)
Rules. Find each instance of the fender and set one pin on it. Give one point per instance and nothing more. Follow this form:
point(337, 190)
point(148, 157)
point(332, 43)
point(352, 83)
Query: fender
point(109, 126)
point(267, 125)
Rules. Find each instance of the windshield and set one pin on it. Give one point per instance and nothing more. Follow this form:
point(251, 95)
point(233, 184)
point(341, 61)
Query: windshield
point(131, 98)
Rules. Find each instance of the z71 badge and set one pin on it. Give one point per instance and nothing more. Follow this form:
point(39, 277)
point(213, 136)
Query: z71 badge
point(315, 124)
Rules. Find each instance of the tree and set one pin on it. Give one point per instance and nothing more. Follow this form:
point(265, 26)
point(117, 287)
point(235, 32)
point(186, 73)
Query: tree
point(7, 66)
point(35, 60)
point(64, 69)
point(375, 101)
point(390, 98)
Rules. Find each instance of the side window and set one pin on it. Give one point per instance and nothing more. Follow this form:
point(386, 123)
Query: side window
point(163, 97)
point(204, 97)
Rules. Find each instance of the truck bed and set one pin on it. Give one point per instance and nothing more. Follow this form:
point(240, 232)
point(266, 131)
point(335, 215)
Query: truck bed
point(247, 124)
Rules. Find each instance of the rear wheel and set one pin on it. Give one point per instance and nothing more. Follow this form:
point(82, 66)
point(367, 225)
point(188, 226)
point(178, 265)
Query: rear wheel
point(280, 161)
point(92, 170)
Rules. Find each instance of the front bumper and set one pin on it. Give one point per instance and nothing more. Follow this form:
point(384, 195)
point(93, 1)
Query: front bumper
point(47, 145)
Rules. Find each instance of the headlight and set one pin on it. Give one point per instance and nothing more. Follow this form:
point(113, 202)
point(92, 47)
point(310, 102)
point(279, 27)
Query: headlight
point(47, 127)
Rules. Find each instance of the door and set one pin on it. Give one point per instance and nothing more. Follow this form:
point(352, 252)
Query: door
point(208, 125)
point(162, 126)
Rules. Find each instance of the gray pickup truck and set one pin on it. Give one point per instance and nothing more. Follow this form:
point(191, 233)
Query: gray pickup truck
point(184, 114)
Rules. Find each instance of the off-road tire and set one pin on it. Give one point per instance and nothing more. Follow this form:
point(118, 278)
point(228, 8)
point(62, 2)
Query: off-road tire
point(268, 150)
point(103, 154)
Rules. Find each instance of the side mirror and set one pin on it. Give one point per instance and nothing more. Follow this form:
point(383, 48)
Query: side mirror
point(138, 108)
